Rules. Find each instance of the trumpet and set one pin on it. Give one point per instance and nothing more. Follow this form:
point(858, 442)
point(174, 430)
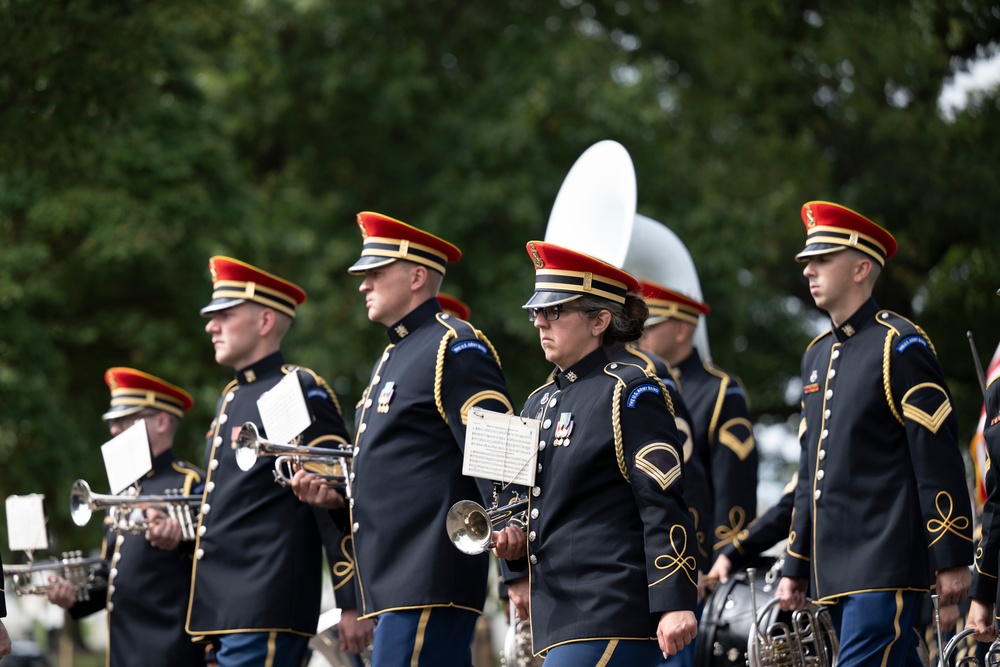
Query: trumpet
point(72, 568)
point(333, 465)
point(992, 657)
point(127, 512)
point(470, 525)
point(810, 640)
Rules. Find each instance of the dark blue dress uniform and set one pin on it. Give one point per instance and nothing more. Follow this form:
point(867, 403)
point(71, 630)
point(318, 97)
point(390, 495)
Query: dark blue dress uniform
point(146, 603)
point(410, 427)
point(697, 488)
point(881, 478)
point(257, 556)
point(765, 531)
point(723, 433)
point(610, 546)
point(987, 564)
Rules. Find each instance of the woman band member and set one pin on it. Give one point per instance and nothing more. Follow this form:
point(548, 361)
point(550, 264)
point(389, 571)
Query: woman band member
point(610, 545)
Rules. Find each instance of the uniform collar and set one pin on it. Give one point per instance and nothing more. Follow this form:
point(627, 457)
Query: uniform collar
point(416, 318)
point(856, 322)
point(581, 369)
point(262, 368)
point(689, 365)
point(162, 462)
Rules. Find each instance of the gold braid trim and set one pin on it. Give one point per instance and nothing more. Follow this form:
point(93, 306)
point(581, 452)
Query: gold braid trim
point(439, 372)
point(666, 394)
point(886, 352)
point(616, 424)
point(481, 336)
point(320, 382)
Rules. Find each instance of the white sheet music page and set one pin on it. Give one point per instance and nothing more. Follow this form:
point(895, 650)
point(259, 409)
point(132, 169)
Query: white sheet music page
point(26, 523)
point(283, 410)
point(501, 447)
point(127, 457)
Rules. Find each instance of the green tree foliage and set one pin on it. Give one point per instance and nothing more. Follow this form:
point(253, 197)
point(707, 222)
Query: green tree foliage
point(138, 139)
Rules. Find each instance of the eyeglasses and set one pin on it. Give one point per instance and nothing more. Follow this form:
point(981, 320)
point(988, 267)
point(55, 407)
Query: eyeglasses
point(124, 422)
point(549, 313)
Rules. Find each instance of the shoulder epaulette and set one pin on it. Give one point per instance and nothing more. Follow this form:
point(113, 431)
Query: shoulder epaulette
point(627, 374)
point(453, 324)
point(819, 338)
point(320, 382)
point(191, 475)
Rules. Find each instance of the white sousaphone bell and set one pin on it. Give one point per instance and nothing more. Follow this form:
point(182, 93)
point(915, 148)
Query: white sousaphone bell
point(595, 213)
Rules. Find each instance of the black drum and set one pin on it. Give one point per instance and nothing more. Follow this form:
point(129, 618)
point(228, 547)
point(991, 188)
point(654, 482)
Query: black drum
point(727, 618)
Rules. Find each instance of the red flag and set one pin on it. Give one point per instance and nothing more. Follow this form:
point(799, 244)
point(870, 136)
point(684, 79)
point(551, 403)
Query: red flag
point(978, 445)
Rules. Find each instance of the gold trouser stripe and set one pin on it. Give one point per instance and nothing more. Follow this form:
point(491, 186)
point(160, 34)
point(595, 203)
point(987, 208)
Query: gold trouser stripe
point(895, 625)
point(418, 644)
point(608, 652)
point(272, 640)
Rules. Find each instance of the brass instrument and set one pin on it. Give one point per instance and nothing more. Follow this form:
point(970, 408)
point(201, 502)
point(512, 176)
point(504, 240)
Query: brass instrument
point(333, 465)
point(470, 526)
point(72, 568)
point(327, 644)
point(809, 641)
point(948, 652)
point(127, 512)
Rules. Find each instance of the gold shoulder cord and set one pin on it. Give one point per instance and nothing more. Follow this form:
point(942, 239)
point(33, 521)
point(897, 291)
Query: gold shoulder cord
point(616, 424)
point(320, 382)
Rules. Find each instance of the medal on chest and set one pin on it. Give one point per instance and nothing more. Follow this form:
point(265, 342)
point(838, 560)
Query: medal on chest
point(386, 396)
point(563, 429)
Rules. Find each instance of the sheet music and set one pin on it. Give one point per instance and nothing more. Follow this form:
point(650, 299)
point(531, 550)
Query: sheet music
point(501, 447)
point(127, 457)
point(26, 523)
point(283, 410)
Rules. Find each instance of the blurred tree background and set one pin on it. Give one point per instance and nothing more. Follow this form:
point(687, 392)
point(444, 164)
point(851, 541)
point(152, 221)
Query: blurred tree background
point(139, 138)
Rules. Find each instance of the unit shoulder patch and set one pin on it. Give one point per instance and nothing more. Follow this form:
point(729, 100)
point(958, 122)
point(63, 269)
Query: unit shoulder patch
point(464, 345)
point(905, 343)
point(646, 388)
point(660, 462)
point(927, 404)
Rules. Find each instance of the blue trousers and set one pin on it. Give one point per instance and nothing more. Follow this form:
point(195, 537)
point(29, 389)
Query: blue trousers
point(877, 629)
point(604, 653)
point(428, 637)
point(261, 649)
point(686, 657)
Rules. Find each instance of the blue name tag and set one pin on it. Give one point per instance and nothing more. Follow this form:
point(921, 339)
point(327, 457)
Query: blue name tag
point(734, 391)
point(639, 391)
point(317, 392)
point(464, 345)
point(910, 340)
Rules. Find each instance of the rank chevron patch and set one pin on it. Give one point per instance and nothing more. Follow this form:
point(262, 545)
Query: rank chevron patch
point(659, 461)
point(737, 435)
point(927, 404)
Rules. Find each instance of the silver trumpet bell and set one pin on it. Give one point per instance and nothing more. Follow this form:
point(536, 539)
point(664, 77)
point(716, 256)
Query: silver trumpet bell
point(333, 465)
point(809, 641)
point(72, 568)
point(127, 511)
point(470, 525)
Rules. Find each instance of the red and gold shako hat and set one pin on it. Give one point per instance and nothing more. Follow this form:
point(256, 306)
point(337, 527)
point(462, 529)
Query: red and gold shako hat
point(387, 239)
point(234, 282)
point(562, 275)
point(666, 304)
point(832, 227)
point(453, 306)
point(132, 391)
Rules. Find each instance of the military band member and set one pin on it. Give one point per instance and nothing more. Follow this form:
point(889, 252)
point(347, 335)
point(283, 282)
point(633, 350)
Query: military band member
point(410, 426)
point(720, 412)
point(256, 584)
point(984, 589)
point(454, 307)
point(148, 573)
point(5, 646)
point(610, 552)
point(881, 502)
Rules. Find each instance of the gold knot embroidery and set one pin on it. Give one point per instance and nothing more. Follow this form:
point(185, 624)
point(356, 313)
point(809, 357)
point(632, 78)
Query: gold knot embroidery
point(734, 531)
point(676, 562)
point(344, 570)
point(946, 524)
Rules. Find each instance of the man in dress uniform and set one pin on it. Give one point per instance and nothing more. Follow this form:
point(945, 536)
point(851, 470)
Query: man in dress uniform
point(408, 454)
point(881, 503)
point(5, 646)
point(720, 412)
point(146, 573)
point(256, 584)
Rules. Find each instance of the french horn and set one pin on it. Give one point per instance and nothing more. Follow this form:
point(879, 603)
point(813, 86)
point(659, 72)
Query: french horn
point(992, 658)
point(809, 640)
